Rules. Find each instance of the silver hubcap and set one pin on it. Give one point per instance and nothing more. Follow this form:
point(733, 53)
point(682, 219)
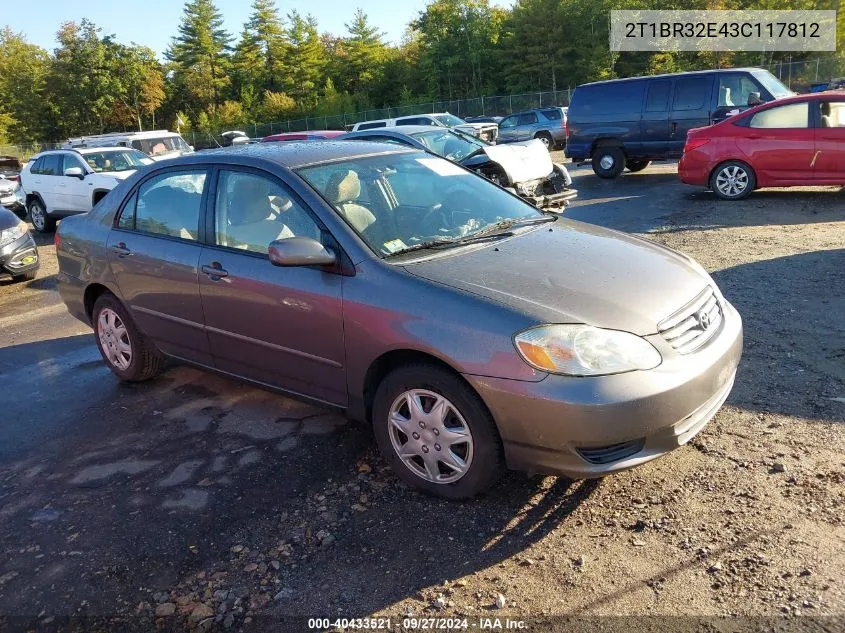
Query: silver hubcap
point(606, 162)
point(544, 140)
point(37, 215)
point(114, 339)
point(732, 180)
point(430, 436)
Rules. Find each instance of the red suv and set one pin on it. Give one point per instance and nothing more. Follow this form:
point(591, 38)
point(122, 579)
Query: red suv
point(788, 142)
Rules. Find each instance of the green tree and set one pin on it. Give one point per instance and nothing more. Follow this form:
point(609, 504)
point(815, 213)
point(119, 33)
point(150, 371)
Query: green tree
point(199, 52)
point(276, 106)
point(306, 59)
point(23, 71)
point(268, 34)
point(141, 83)
point(365, 54)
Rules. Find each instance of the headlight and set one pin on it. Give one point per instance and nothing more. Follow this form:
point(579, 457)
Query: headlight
point(583, 350)
point(7, 236)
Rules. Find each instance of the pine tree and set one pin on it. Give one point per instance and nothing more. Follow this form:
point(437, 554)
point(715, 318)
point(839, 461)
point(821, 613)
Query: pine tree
point(365, 54)
point(306, 59)
point(200, 50)
point(268, 34)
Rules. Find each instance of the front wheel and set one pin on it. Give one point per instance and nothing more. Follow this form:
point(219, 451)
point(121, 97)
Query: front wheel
point(127, 352)
point(39, 218)
point(733, 180)
point(436, 433)
point(637, 165)
point(608, 161)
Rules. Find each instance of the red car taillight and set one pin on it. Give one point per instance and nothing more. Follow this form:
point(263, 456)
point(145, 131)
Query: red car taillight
point(566, 129)
point(695, 143)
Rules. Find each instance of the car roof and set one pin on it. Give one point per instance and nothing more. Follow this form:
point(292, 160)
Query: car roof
point(666, 75)
point(294, 154)
point(99, 150)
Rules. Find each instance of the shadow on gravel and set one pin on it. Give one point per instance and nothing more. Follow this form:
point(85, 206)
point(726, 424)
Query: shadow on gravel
point(414, 542)
point(793, 309)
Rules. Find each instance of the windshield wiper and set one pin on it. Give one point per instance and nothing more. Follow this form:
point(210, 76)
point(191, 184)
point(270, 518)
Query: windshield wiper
point(505, 225)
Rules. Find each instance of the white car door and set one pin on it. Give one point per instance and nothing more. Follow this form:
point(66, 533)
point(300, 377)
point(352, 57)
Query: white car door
point(77, 191)
point(49, 182)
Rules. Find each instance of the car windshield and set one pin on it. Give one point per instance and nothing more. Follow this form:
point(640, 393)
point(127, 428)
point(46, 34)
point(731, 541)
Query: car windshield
point(449, 144)
point(772, 84)
point(161, 145)
point(398, 201)
point(449, 120)
point(124, 160)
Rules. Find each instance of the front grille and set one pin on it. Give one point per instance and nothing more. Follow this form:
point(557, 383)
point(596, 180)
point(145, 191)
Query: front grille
point(611, 452)
point(695, 324)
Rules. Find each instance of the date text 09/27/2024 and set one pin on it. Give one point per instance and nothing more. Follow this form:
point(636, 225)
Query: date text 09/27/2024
point(418, 624)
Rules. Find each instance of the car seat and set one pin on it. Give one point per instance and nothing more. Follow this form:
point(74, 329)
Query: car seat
point(251, 221)
point(827, 121)
point(343, 190)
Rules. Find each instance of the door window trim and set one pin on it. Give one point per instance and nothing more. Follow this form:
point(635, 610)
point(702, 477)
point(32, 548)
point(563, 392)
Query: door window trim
point(135, 192)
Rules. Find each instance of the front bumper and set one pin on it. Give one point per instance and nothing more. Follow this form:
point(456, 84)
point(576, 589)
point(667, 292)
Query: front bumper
point(14, 201)
point(19, 257)
point(553, 200)
point(591, 427)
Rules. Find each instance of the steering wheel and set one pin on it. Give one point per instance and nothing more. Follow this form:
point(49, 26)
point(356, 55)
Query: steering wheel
point(436, 213)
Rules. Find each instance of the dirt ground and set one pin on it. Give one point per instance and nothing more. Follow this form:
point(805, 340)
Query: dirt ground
point(196, 502)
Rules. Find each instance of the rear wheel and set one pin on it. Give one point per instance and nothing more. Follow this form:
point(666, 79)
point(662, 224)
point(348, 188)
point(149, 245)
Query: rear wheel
point(733, 180)
point(436, 433)
point(546, 139)
point(39, 218)
point(637, 165)
point(127, 352)
point(608, 161)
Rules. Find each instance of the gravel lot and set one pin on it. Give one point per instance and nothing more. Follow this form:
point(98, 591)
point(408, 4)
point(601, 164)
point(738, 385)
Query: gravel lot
point(207, 504)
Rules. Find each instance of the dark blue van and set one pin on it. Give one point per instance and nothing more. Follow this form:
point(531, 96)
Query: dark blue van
point(630, 122)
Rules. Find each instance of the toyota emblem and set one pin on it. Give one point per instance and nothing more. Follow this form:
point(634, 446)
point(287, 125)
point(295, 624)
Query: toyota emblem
point(703, 319)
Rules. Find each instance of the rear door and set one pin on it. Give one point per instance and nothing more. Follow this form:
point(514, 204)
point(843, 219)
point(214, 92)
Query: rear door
point(654, 125)
point(154, 255)
point(690, 109)
point(780, 144)
point(829, 156)
point(279, 326)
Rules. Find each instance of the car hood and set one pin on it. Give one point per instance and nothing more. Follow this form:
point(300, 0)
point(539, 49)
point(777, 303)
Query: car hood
point(118, 175)
point(522, 161)
point(575, 273)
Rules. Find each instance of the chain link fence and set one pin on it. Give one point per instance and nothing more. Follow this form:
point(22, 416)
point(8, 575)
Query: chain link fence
point(804, 75)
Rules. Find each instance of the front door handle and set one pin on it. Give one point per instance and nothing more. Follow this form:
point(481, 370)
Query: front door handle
point(121, 250)
point(215, 271)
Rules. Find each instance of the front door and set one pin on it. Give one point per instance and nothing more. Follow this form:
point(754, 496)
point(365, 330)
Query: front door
point(779, 144)
point(829, 154)
point(526, 125)
point(654, 125)
point(508, 129)
point(690, 109)
point(279, 326)
point(154, 255)
point(79, 191)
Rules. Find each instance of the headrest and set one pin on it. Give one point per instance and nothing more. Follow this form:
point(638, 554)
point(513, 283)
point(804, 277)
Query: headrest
point(343, 187)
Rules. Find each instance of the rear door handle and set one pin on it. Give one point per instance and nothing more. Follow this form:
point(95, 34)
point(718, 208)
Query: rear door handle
point(121, 250)
point(215, 271)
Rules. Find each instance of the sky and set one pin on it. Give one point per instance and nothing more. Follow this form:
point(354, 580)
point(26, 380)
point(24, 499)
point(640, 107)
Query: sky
point(154, 22)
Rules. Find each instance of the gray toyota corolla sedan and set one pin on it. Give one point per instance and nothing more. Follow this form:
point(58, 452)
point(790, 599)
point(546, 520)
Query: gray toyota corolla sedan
point(471, 330)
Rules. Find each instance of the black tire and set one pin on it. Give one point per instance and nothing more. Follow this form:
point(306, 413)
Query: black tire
point(546, 139)
point(608, 161)
point(487, 461)
point(636, 165)
point(27, 276)
point(744, 180)
point(42, 222)
point(145, 361)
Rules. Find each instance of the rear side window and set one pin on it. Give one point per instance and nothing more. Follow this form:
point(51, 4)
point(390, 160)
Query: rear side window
point(616, 98)
point(527, 118)
point(691, 93)
point(370, 126)
point(657, 99)
point(552, 115)
point(168, 204)
point(791, 116)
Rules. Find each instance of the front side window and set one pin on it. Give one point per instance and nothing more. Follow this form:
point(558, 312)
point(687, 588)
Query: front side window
point(252, 210)
point(735, 90)
point(168, 204)
point(793, 115)
point(508, 122)
point(51, 165)
point(397, 201)
point(832, 113)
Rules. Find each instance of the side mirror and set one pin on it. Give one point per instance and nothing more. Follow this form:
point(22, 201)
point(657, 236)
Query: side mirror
point(300, 251)
point(75, 172)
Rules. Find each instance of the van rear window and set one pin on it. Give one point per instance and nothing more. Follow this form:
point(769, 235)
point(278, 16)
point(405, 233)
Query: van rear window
point(621, 97)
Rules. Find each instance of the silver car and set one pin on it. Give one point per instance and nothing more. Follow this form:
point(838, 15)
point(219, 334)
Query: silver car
point(545, 124)
point(470, 329)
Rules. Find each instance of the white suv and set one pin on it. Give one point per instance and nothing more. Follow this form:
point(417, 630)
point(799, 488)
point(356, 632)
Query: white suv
point(66, 182)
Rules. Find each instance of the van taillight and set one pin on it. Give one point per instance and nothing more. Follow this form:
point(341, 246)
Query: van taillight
point(57, 241)
point(695, 143)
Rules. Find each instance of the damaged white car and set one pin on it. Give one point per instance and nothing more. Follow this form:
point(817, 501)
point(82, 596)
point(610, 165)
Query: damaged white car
point(525, 168)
